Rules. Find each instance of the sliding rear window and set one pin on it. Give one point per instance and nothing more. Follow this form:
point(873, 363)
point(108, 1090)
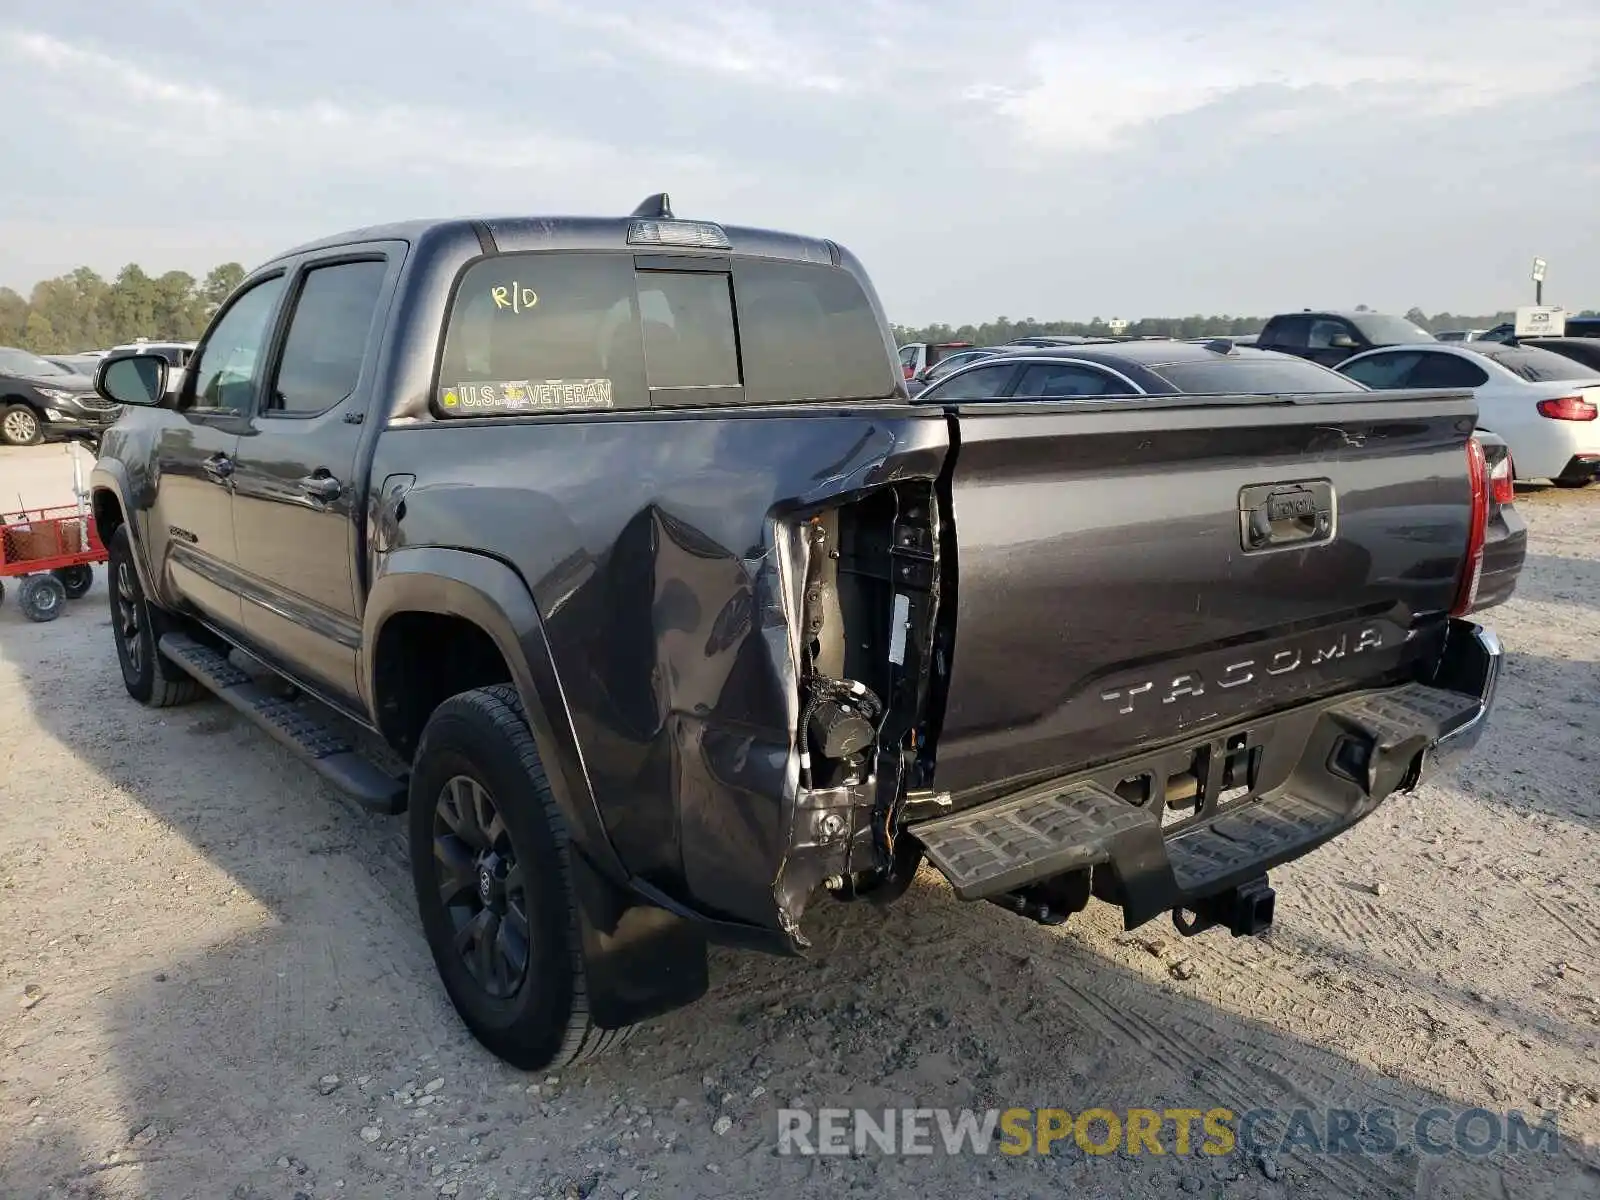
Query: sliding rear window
point(580, 331)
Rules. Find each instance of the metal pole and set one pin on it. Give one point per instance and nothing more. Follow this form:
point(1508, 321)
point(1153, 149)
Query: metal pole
point(1538, 291)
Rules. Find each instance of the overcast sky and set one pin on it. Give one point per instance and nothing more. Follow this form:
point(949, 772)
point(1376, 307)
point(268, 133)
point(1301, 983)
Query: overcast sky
point(1042, 158)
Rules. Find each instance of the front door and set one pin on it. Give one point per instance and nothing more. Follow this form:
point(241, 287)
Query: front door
point(191, 517)
point(1330, 341)
point(298, 494)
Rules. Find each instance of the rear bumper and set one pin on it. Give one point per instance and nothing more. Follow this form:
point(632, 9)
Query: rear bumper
point(1580, 468)
point(1269, 791)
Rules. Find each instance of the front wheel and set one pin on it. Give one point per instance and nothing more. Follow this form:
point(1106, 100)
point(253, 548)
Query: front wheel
point(138, 626)
point(489, 862)
point(19, 426)
point(41, 597)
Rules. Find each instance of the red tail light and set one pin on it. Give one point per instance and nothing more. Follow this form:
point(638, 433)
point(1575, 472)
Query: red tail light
point(1477, 529)
point(1501, 484)
point(1568, 408)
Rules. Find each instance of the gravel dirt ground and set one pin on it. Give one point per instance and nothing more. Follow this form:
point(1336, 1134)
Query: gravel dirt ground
point(212, 982)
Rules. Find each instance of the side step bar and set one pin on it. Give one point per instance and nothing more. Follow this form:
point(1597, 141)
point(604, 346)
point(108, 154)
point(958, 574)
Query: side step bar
point(293, 724)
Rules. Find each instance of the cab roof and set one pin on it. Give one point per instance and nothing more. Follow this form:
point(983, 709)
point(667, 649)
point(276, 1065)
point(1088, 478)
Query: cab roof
point(511, 234)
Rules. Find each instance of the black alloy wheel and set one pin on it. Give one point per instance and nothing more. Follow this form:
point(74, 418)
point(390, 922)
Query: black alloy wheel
point(127, 615)
point(482, 886)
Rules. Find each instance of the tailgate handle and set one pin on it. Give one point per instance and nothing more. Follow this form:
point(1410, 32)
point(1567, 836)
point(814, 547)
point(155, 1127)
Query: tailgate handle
point(1275, 515)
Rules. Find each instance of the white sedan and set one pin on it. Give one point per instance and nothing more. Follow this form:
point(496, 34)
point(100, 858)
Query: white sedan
point(1544, 405)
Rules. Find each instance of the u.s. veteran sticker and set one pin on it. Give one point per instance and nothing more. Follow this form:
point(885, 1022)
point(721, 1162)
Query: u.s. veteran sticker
point(516, 397)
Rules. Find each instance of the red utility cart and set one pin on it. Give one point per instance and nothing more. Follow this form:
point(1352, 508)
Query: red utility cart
point(53, 551)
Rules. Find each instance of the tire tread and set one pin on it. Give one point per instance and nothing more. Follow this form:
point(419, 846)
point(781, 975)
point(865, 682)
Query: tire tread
point(502, 707)
point(170, 685)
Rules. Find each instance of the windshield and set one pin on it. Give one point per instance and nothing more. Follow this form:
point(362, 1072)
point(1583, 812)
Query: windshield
point(1535, 365)
point(1254, 376)
point(20, 362)
point(1391, 331)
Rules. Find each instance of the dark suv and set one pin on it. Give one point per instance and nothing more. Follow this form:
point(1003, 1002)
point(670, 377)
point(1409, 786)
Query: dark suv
point(42, 400)
point(1331, 337)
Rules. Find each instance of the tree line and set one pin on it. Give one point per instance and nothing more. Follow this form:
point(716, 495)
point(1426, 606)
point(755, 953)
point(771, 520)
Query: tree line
point(1004, 329)
point(82, 311)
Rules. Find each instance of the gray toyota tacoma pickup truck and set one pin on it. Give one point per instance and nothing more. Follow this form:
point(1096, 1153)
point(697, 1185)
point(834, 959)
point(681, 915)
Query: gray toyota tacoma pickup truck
point(623, 536)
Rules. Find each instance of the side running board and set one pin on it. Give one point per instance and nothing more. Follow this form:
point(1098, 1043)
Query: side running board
point(294, 723)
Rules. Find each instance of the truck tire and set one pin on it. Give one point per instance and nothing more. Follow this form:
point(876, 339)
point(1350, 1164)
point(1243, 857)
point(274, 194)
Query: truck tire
point(41, 597)
point(138, 627)
point(20, 426)
point(76, 579)
point(489, 860)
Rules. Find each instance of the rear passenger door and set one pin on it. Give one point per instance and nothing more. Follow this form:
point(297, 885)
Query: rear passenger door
point(1066, 381)
point(1432, 370)
point(299, 491)
point(1383, 371)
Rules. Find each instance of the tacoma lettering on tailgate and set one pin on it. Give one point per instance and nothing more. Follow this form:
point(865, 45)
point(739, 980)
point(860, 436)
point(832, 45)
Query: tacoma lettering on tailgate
point(1311, 651)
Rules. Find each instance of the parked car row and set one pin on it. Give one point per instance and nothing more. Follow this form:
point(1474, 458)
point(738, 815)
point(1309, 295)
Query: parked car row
point(1540, 395)
point(52, 397)
point(1542, 403)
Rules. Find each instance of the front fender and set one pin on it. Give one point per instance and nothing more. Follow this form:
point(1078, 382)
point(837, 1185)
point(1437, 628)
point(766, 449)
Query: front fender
point(640, 960)
point(109, 478)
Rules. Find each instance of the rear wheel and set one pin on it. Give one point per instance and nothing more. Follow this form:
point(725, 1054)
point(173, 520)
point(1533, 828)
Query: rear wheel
point(489, 862)
point(41, 597)
point(19, 426)
point(76, 579)
point(138, 626)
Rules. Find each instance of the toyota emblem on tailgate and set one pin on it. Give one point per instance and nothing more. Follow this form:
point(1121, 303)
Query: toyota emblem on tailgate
point(1282, 516)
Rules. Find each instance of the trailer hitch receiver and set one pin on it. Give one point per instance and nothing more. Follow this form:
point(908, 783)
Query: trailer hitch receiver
point(1245, 910)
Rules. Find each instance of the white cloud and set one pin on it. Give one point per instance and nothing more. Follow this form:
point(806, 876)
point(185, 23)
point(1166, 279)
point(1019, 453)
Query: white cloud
point(732, 41)
point(103, 94)
point(1095, 88)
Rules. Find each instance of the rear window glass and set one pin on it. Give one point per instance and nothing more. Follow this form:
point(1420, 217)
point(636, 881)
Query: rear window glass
point(548, 332)
point(1535, 365)
point(1254, 377)
point(688, 330)
point(561, 332)
point(809, 332)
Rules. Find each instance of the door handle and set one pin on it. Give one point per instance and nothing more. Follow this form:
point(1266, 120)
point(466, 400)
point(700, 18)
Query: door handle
point(321, 487)
point(218, 466)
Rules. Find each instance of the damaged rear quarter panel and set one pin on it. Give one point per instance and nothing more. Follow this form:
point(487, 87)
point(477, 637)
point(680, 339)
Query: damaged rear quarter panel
point(651, 545)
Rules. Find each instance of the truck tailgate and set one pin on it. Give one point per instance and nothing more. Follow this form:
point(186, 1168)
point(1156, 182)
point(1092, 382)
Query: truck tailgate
point(1134, 572)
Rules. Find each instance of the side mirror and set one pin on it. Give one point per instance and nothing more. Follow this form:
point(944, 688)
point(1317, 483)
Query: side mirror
point(1342, 341)
point(132, 378)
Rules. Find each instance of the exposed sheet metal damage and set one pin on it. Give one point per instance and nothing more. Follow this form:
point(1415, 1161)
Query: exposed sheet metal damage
point(866, 591)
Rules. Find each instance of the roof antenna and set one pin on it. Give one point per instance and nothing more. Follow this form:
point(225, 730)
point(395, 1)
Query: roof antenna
point(655, 208)
point(1220, 345)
